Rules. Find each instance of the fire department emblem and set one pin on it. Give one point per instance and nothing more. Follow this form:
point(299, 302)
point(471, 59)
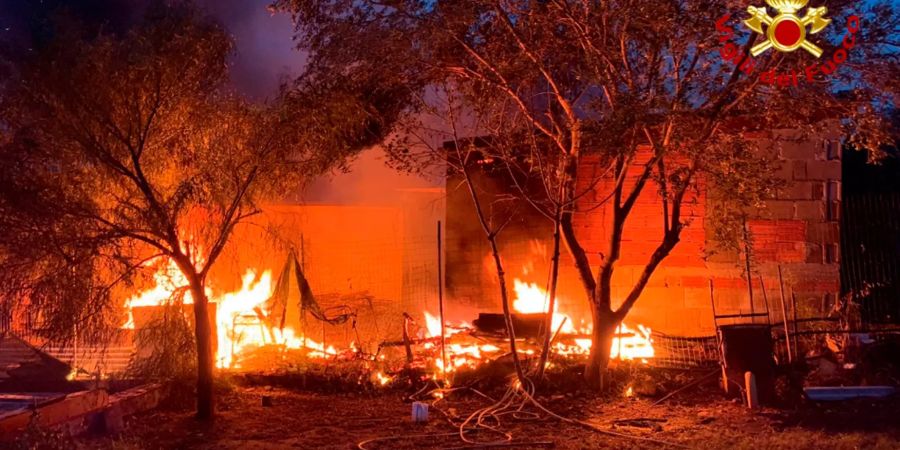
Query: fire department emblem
point(786, 32)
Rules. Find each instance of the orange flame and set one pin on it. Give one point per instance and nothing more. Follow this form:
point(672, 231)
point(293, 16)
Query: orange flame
point(239, 327)
point(627, 344)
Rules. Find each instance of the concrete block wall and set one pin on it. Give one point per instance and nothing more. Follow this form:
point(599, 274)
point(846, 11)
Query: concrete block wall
point(798, 231)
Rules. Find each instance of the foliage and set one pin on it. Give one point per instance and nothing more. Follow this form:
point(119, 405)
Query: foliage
point(37, 437)
point(166, 346)
point(640, 87)
point(118, 150)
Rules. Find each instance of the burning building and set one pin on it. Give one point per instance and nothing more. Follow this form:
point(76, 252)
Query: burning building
point(797, 231)
point(332, 280)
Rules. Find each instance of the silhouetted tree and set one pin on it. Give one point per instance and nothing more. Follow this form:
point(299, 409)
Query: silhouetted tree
point(117, 149)
point(662, 94)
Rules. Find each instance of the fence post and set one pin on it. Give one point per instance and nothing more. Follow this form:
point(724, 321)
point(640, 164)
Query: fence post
point(441, 303)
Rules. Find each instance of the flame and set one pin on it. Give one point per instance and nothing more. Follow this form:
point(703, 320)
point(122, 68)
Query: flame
point(382, 379)
point(432, 325)
point(168, 279)
point(458, 355)
point(237, 322)
point(242, 325)
point(627, 343)
point(239, 315)
point(531, 299)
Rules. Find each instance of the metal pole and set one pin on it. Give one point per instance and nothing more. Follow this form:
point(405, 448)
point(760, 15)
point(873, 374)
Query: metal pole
point(304, 331)
point(784, 319)
point(747, 263)
point(441, 302)
point(762, 287)
point(720, 350)
point(794, 313)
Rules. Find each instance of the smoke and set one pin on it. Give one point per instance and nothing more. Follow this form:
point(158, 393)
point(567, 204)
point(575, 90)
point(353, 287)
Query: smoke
point(369, 181)
point(266, 57)
point(265, 54)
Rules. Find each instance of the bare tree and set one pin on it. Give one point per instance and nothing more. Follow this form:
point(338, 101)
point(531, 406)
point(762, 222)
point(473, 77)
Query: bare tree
point(649, 89)
point(120, 149)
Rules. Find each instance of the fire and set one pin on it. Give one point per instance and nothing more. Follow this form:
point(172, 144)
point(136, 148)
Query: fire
point(627, 344)
point(532, 299)
point(239, 322)
point(242, 325)
point(432, 325)
point(168, 279)
point(458, 355)
point(382, 379)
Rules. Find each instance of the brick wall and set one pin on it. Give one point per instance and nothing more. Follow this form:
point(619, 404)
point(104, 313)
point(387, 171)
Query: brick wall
point(798, 230)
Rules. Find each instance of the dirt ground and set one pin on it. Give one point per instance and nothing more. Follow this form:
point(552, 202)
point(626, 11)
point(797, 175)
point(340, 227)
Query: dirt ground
point(702, 419)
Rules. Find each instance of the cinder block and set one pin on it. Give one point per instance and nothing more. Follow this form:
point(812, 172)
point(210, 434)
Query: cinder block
point(663, 298)
point(623, 276)
point(693, 281)
point(803, 150)
point(814, 254)
point(790, 252)
point(790, 231)
point(723, 256)
point(798, 190)
point(823, 232)
point(785, 170)
point(810, 210)
point(658, 279)
point(696, 298)
point(818, 190)
point(780, 209)
point(824, 170)
point(729, 300)
point(799, 170)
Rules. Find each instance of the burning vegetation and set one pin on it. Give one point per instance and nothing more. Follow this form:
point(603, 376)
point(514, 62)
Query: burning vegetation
point(148, 206)
point(248, 324)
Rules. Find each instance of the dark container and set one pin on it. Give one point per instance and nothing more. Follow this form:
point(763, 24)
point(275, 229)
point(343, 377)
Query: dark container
point(524, 325)
point(749, 348)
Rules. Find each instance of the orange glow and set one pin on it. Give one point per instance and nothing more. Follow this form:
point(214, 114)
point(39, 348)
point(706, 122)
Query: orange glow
point(168, 279)
point(382, 379)
point(242, 326)
point(627, 344)
point(239, 327)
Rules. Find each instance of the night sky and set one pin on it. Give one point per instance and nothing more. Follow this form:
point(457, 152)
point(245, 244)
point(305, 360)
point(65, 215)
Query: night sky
point(265, 56)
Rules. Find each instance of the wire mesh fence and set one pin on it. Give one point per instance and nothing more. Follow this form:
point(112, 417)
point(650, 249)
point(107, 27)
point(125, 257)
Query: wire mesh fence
point(681, 352)
point(870, 249)
point(382, 276)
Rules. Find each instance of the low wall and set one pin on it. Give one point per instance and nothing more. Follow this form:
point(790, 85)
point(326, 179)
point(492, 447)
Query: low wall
point(81, 411)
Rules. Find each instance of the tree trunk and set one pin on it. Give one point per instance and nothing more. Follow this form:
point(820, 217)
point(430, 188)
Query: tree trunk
point(605, 323)
point(554, 278)
point(203, 333)
point(507, 312)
